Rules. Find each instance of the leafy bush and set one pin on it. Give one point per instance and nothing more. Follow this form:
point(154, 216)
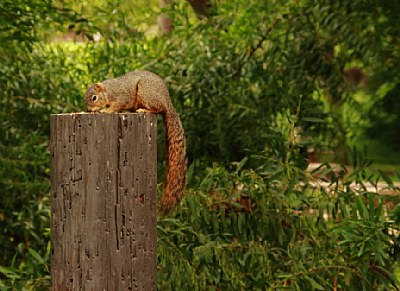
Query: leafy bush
point(275, 228)
point(384, 112)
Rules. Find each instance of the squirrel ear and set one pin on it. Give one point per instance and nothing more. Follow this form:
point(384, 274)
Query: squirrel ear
point(99, 87)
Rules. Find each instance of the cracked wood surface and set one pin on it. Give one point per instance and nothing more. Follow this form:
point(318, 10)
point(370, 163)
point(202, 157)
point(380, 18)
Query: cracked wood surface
point(103, 201)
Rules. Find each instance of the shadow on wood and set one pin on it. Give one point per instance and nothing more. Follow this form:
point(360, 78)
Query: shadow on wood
point(103, 176)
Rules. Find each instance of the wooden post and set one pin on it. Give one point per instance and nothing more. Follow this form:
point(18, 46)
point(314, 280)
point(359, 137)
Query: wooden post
point(103, 201)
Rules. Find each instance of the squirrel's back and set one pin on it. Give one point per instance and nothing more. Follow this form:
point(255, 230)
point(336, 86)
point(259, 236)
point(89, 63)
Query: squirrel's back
point(126, 82)
point(151, 92)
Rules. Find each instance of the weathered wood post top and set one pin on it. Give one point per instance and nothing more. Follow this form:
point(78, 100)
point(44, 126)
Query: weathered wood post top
point(103, 201)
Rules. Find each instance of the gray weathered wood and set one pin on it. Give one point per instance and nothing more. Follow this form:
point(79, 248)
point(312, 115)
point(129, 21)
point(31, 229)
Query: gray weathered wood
point(103, 201)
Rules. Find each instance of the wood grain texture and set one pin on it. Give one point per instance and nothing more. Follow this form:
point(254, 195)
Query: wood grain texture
point(103, 176)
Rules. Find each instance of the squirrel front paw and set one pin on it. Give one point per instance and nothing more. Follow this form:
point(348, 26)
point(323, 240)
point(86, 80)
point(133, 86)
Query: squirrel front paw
point(108, 110)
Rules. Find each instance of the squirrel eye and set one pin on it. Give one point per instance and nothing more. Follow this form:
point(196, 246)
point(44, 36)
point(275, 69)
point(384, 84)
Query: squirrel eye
point(94, 98)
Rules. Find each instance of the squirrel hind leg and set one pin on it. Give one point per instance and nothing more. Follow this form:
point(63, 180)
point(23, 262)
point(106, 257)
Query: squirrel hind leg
point(142, 110)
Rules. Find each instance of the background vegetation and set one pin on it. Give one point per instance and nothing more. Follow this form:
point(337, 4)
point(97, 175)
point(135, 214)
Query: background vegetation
point(257, 84)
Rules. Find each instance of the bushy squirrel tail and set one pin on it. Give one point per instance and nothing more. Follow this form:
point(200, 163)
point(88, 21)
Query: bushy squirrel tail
point(176, 161)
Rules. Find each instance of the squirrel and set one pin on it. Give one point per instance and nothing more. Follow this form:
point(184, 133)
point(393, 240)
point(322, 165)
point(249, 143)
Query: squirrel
point(144, 91)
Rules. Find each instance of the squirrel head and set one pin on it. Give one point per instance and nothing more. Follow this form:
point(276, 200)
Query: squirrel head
point(96, 97)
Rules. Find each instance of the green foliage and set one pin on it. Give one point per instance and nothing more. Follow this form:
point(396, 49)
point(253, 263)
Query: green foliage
point(24, 21)
point(294, 235)
point(29, 96)
point(29, 93)
point(31, 274)
point(258, 82)
point(385, 113)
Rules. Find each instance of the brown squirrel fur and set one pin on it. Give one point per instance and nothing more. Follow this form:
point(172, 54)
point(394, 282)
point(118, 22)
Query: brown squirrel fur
point(144, 91)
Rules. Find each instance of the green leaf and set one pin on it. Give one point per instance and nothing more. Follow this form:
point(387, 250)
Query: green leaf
point(240, 165)
point(314, 284)
point(314, 119)
point(386, 178)
point(10, 272)
point(362, 209)
point(371, 199)
point(36, 256)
